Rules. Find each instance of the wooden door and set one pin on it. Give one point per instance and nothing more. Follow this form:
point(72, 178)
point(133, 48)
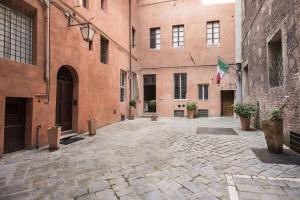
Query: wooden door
point(227, 101)
point(64, 99)
point(14, 129)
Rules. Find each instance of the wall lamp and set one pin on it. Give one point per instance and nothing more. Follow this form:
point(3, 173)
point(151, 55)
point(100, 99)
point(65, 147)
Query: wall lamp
point(86, 31)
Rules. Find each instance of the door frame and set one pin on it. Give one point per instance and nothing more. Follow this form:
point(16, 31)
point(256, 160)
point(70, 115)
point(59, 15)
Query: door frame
point(234, 93)
point(144, 102)
point(75, 101)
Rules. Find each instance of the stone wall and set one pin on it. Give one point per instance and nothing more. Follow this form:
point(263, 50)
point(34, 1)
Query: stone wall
point(262, 20)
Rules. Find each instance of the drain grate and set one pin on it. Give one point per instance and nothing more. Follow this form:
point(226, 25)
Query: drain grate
point(216, 131)
point(71, 140)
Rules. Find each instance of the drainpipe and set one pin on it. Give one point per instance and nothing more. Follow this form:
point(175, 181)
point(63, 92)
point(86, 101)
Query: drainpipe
point(47, 50)
point(130, 52)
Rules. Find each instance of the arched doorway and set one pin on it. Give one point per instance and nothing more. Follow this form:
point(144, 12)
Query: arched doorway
point(64, 99)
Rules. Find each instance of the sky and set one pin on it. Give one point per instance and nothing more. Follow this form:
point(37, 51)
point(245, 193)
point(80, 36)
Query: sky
point(216, 1)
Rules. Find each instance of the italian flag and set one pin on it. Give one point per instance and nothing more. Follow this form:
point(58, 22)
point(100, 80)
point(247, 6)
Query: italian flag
point(222, 69)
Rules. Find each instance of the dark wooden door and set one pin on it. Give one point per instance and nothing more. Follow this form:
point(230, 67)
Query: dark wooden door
point(14, 129)
point(227, 101)
point(64, 99)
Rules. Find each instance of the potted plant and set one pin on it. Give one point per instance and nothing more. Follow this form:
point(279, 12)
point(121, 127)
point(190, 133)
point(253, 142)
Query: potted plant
point(92, 125)
point(54, 134)
point(152, 104)
point(273, 129)
point(132, 105)
point(245, 111)
point(191, 108)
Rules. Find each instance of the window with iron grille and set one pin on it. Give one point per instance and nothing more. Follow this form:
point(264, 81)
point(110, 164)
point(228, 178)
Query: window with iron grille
point(122, 86)
point(16, 34)
point(155, 38)
point(134, 86)
point(203, 92)
point(180, 88)
point(83, 3)
point(104, 50)
point(178, 36)
point(275, 61)
point(213, 32)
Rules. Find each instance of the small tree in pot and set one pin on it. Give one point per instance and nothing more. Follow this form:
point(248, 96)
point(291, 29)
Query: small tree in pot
point(191, 108)
point(245, 111)
point(273, 129)
point(152, 104)
point(132, 106)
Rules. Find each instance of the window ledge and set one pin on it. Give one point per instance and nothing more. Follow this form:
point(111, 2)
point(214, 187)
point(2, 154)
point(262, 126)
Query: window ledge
point(213, 45)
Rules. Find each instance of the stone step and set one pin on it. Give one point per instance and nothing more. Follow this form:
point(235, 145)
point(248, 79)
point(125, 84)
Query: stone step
point(147, 114)
point(67, 136)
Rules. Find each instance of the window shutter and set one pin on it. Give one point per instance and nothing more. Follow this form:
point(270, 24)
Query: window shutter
point(176, 86)
point(205, 91)
point(152, 38)
point(200, 88)
point(104, 50)
point(183, 86)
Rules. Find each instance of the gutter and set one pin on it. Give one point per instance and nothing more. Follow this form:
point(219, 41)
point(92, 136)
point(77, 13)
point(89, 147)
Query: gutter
point(130, 52)
point(47, 50)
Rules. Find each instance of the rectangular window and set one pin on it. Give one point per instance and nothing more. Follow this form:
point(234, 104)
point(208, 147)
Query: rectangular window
point(275, 61)
point(203, 92)
point(103, 5)
point(180, 88)
point(178, 36)
point(134, 86)
point(155, 38)
point(16, 35)
point(83, 3)
point(213, 33)
point(133, 37)
point(123, 86)
point(104, 50)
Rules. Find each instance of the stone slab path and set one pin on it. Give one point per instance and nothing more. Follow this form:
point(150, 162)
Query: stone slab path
point(148, 160)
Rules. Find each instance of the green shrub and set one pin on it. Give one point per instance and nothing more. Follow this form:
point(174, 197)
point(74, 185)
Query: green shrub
point(132, 103)
point(245, 110)
point(152, 104)
point(276, 113)
point(192, 106)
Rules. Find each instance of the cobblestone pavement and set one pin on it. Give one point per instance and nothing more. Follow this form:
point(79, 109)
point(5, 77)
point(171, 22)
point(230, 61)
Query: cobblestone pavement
point(148, 160)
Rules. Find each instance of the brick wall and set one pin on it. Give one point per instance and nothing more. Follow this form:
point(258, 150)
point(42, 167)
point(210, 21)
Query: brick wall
point(262, 20)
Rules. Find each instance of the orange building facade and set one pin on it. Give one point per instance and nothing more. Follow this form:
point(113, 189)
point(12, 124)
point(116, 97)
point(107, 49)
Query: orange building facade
point(51, 76)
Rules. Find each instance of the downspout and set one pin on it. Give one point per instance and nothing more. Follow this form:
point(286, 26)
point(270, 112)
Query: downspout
point(47, 51)
point(130, 52)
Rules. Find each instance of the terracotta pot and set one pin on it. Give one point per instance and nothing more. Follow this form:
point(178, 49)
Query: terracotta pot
point(131, 113)
point(154, 117)
point(54, 137)
point(191, 114)
point(92, 124)
point(245, 123)
point(273, 131)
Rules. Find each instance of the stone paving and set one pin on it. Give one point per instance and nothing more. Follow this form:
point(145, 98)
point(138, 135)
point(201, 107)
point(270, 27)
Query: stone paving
point(148, 160)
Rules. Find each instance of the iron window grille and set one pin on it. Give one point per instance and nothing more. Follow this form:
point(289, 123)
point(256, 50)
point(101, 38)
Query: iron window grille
point(203, 92)
point(16, 32)
point(180, 88)
point(213, 33)
point(122, 86)
point(275, 59)
point(155, 38)
point(104, 50)
point(178, 36)
point(134, 86)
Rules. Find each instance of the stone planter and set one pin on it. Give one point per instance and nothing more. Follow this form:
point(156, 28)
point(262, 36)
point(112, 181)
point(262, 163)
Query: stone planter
point(54, 137)
point(245, 122)
point(131, 113)
point(191, 114)
point(273, 131)
point(154, 117)
point(92, 124)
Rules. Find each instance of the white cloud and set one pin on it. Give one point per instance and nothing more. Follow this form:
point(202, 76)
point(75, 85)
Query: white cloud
point(209, 2)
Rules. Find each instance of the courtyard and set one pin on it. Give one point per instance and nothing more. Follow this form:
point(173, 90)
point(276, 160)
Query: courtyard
point(173, 158)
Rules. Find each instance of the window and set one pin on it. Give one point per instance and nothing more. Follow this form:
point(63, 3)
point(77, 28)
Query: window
point(16, 34)
point(203, 92)
point(123, 86)
point(104, 50)
point(133, 37)
point(180, 88)
point(83, 3)
point(155, 38)
point(178, 36)
point(134, 86)
point(275, 61)
point(103, 5)
point(213, 33)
